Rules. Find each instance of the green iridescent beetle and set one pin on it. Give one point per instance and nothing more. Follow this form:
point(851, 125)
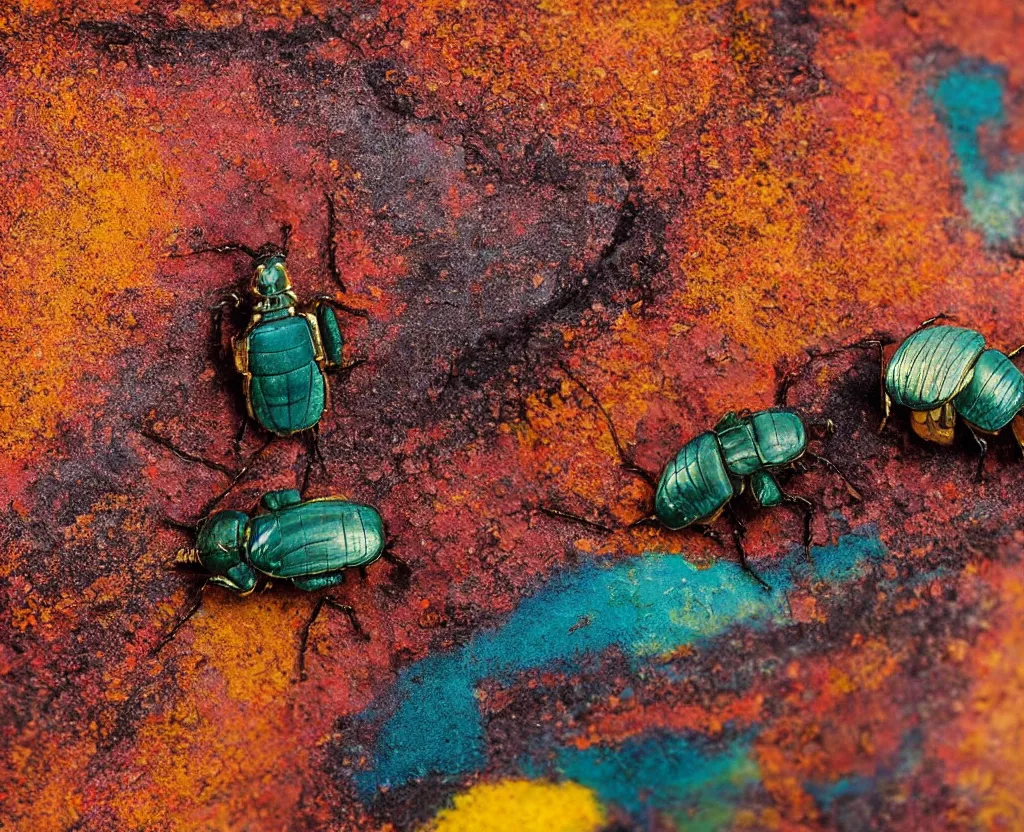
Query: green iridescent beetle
point(308, 543)
point(743, 451)
point(941, 372)
point(285, 350)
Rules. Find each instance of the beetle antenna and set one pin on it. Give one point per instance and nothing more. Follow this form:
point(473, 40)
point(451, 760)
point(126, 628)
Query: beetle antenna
point(627, 461)
point(286, 237)
point(197, 602)
point(332, 227)
point(222, 248)
point(942, 316)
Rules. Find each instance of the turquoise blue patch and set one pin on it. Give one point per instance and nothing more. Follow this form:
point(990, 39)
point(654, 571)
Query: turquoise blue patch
point(647, 606)
point(905, 762)
point(967, 99)
point(697, 786)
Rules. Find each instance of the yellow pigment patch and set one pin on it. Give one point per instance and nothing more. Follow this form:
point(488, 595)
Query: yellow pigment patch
point(81, 229)
point(522, 806)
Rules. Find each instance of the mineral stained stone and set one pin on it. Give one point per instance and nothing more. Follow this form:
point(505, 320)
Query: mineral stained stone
point(672, 201)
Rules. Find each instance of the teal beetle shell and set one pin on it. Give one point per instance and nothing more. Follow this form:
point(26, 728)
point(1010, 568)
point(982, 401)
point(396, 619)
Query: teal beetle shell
point(932, 366)
point(694, 485)
point(708, 470)
point(314, 537)
point(994, 394)
point(286, 390)
point(941, 364)
point(309, 543)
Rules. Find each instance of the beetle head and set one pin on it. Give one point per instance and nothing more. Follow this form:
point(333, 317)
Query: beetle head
point(221, 551)
point(270, 277)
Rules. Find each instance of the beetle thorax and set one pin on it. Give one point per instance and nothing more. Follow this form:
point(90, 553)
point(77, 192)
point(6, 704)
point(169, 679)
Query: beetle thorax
point(264, 304)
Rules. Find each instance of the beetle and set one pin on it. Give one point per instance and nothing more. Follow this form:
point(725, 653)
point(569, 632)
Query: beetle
point(309, 543)
point(941, 372)
point(285, 350)
point(744, 450)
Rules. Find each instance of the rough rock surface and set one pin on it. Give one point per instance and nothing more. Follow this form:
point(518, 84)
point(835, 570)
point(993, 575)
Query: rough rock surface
point(672, 202)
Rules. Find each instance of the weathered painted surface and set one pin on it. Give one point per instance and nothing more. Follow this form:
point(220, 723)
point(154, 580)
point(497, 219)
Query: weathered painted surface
point(674, 201)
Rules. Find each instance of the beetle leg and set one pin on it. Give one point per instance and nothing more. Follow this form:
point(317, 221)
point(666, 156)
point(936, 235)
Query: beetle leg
point(196, 603)
point(232, 302)
point(808, 509)
point(885, 400)
point(313, 456)
point(627, 461)
point(181, 453)
point(565, 515)
point(340, 306)
point(828, 463)
point(213, 501)
point(286, 237)
point(739, 531)
point(345, 370)
point(1017, 426)
point(222, 248)
point(240, 436)
point(326, 601)
point(396, 561)
point(191, 528)
point(332, 230)
point(785, 382)
point(708, 532)
point(979, 475)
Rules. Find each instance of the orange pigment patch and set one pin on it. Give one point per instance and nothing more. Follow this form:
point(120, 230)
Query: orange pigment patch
point(223, 751)
point(632, 71)
point(984, 752)
point(837, 211)
point(79, 232)
point(223, 15)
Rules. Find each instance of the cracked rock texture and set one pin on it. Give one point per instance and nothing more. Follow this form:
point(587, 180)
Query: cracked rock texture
point(676, 203)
